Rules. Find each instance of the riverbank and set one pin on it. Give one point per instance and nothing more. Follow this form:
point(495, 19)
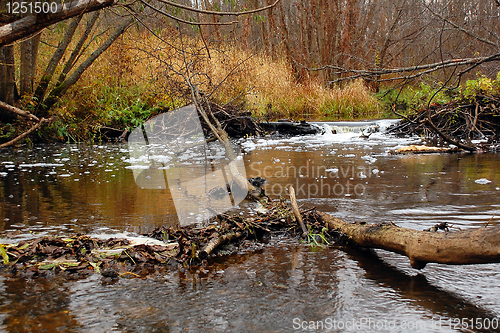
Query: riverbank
point(131, 83)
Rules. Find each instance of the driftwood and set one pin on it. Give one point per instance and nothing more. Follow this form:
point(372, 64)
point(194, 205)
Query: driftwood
point(421, 149)
point(218, 240)
point(473, 246)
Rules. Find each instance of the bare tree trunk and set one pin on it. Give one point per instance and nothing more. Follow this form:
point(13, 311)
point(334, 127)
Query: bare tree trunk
point(56, 57)
point(6, 91)
point(3, 74)
point(70, 80)
point(473, 246)
point(29, 54)
point(10, 79)
point(26, 71)
point(74, 55)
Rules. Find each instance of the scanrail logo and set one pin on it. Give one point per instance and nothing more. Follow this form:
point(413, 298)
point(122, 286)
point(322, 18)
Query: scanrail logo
point(171, 151)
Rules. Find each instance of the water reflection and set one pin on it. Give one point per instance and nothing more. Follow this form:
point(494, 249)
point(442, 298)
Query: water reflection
point(264, 291)
point(417, 289)
point(256, 292)
point(36, 305)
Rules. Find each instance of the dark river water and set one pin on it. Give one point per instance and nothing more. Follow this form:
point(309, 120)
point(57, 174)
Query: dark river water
point(287, 286)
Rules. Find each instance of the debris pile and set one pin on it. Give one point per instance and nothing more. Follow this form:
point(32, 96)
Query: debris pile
point(80, 255)
point(235, 120)
point(469, 124)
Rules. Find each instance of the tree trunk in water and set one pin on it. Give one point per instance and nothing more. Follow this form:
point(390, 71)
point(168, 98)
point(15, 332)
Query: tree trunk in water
point(472, 246)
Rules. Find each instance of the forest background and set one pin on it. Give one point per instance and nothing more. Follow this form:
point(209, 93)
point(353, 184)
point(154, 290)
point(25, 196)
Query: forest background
point(313, 60)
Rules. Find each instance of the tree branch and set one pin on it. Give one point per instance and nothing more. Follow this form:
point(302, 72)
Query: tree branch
point(213, 12)
point(63, 87)
point(29, 25)
point(184, 21)
point(28, 132)
point(473, 35)
point(18, 111)
point(427, 68)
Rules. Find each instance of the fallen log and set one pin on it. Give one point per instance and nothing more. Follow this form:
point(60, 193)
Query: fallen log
point(472, 246)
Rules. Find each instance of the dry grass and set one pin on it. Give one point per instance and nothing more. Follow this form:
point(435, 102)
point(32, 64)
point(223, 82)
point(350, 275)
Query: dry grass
point(269, 89)
point(140, 74)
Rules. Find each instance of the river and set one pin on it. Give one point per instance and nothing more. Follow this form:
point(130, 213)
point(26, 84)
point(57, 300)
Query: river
point(287, 286)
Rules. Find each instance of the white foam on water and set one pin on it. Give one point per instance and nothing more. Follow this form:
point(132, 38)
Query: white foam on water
point(482, 181)
point(139, 167)
point(34, 165)
point(133, 238)
point(369, 159)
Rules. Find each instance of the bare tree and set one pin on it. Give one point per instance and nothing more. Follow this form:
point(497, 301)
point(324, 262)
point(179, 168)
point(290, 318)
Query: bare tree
point(16, 28)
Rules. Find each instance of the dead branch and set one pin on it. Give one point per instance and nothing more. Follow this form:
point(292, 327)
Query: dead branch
point(373, 74)
point(28, 132)
point(213, 12)
point(18, 111)
point(446, 137)
point(162, 12)
point(296, 212)
point(218, 240)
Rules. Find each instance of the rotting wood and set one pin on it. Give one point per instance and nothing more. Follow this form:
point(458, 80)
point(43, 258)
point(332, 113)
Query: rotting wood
point(421, 149)
point(472, 246)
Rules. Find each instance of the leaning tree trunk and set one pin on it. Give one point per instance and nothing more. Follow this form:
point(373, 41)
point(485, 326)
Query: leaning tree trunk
point(61, 89)
point(472, 246)
point(7, 81)
point(56, 57)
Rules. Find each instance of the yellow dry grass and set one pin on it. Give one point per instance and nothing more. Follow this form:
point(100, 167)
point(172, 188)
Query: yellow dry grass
point(141, 68)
